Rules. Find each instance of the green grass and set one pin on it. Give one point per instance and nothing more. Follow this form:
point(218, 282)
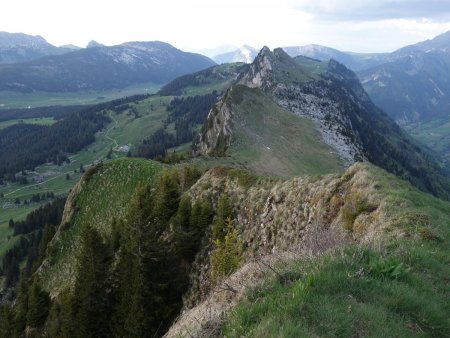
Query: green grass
point(272, 141)
point(105, 195)
point(400, 289)
point(45, 121)
point(37, 99)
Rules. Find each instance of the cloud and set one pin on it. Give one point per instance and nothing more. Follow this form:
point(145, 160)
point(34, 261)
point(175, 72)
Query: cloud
point(373, 10)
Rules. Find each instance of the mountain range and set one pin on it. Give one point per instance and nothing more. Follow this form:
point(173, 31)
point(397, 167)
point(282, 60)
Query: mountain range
point(410, 84)
point(102, 68)
point(19, 47)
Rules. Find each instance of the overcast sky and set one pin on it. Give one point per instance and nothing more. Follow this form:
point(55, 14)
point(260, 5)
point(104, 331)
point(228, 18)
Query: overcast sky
point(354, 25)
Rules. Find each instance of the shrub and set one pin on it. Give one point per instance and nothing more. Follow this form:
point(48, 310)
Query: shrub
point(227, 255)
point(354, 206)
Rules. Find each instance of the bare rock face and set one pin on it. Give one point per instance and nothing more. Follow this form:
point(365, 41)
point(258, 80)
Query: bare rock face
point(214, 139)
point(313, 100)
point(260, 71)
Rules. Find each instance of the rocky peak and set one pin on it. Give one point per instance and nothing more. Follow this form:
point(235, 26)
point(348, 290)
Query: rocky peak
point(214, 138)
point(259, 74)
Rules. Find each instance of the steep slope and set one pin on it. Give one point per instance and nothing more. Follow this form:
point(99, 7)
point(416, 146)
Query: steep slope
point(413, 88)
point(331, 96)
point(364, 209)
point(102, 195)
point(19, 47)
point(244, 54)
point(102, 68)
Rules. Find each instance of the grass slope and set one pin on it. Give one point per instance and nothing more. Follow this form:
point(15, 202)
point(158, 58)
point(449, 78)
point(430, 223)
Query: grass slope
point(273, 141)
point(102, 195)
point(398, 288)
point(435, 134)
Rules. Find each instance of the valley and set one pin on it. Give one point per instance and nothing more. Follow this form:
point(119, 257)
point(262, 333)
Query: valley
point(9, 99)
point(266, 198)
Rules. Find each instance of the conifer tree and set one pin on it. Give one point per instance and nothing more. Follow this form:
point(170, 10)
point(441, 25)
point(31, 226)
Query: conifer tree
point(90, 305)
point(38, 305)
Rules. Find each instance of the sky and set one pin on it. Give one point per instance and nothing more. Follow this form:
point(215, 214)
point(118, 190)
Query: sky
point(193, 25)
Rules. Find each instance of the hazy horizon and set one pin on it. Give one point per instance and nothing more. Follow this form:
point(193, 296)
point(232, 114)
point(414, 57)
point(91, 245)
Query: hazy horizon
point(357, 26)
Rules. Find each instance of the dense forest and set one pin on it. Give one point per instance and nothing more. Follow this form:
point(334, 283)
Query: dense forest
point(185, 113)
point(36, 231)
point(128, 284)
point(57, 112)
point(23, 146)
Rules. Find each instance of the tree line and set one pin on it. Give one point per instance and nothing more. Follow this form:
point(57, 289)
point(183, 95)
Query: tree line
point(185, 113)
point(25, 146)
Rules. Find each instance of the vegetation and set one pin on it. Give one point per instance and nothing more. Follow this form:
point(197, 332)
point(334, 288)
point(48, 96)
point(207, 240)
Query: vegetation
point(24, 146)
point(36, 231)
point(186, 114)
point(353, 291)
point(397, 288)
point(227, 255)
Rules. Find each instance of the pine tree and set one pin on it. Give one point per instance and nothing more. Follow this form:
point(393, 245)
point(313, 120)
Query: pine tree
point(38, 305)
point(91, 308)
point(167, 196)
point(7, 324)
point(224, 211)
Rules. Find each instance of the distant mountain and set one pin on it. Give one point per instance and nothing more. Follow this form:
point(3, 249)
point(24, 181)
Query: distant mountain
point(212, 52)
point(354, 61)
point(414, 85)
point(94, 43)
point(439, 43)
point(70, 47)
point(19, 47)
point(411, 84)
point(243, 54)
point(102, 68)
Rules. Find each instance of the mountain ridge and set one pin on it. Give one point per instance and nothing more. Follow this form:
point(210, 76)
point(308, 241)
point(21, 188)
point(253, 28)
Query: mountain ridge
point(102, 68)
point(330, 95)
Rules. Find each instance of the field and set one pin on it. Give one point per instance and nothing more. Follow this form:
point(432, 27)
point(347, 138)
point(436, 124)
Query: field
point(38, 99)
point(46, 121)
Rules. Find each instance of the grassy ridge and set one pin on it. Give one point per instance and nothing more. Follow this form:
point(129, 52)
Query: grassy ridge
point(398, 289)
point(104, 195)
point(272, 141)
